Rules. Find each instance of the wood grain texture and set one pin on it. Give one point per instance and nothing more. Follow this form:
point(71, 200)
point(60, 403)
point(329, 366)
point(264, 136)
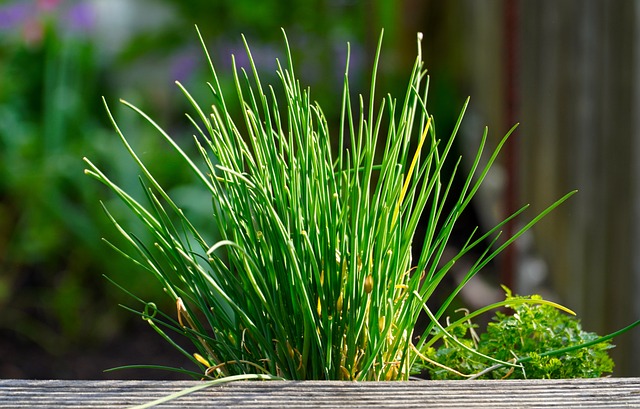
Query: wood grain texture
point(580, 88)
point(590, 393)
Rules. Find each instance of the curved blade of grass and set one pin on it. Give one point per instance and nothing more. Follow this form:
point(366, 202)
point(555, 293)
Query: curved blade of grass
point(445, 333)
point(192, 374)
point(208, 384)
point(493, 306)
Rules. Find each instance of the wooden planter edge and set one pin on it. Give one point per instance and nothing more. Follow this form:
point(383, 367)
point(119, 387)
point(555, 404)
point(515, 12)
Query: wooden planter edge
point(592, 393)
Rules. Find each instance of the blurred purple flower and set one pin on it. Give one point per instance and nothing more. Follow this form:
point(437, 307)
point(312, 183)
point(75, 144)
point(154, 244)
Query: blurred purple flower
point(26, 18)
point(14, 15)
point(80, 17)
point(184, 65)
point(48, 5)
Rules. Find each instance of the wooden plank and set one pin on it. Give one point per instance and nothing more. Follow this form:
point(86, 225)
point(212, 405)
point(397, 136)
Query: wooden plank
point(592, 393)
point(579, 100)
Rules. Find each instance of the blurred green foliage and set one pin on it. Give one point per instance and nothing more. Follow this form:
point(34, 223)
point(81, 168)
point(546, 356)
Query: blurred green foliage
point(50, 225)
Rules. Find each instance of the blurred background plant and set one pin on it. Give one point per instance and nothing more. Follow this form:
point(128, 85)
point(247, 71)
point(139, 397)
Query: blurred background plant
point(53, 299)
point(566, 70)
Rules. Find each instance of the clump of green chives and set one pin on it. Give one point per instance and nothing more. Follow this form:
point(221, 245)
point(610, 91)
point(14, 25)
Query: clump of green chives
point(312, 276)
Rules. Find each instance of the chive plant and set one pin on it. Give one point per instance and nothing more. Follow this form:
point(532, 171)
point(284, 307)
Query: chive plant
point(312, 275)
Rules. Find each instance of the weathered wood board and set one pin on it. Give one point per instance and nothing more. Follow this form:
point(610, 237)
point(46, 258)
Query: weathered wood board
point(589, 393)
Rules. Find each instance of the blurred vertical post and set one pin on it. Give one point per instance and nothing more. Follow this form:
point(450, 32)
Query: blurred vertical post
point(511, 98)
point(579, 109)
point(635, 264)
